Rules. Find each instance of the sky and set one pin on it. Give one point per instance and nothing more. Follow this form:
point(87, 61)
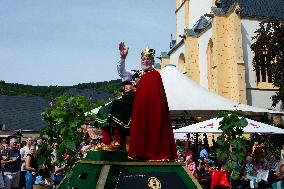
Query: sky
point(67, 42)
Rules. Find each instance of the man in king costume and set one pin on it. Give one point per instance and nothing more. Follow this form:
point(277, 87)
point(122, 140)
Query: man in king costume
point(151, 133)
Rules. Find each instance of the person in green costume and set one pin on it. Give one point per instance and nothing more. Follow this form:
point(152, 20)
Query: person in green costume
point(114, 119)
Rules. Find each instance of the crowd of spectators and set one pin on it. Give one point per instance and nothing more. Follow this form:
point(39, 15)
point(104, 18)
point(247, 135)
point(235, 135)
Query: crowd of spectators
point(258, 170)
point(20, 167)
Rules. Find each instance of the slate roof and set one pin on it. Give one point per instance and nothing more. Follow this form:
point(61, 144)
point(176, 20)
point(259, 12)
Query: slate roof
point(91, 94)
point(24, 112)
point(258, 9)
point(164, 55)
point(157, 66)
point(201, 25)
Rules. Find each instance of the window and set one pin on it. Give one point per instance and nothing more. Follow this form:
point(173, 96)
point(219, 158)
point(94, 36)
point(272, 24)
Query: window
point(181, 63)
point(264, 74)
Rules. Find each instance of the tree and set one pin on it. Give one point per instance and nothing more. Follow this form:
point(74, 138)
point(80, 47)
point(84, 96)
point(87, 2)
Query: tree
point(231, 144)
point(269, 53)
point(106, 87)
point(64, 119)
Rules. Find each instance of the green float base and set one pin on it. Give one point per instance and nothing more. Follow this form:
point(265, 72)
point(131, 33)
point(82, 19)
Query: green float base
point(109, 170)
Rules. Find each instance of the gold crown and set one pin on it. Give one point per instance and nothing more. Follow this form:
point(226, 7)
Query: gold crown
point(148, 52)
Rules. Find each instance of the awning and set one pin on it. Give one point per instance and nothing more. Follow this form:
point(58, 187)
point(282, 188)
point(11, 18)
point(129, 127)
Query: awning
point(212, 126)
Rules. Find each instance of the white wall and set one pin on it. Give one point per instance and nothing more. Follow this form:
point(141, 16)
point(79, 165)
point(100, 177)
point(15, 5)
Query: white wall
point(180, 22)
point(198, 8)
point(203, 44)
point(261, 98)
point(175, 55)
point(248, 29)
point(255, 97)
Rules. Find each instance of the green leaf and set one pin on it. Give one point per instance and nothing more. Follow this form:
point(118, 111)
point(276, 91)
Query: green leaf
point(68, 111)
point(63, 130)
point(235, 175)
point(68, 174)
point(232, 127)
point(71, 145)
point(231, 165)
point(226, 167)
point(71, 99)
point(221, 154)
point(73, 124)
point(221, 141)
point(234, 156)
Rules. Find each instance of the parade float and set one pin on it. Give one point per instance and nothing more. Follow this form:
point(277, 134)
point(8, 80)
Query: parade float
point(148, 158)
point(102, 169)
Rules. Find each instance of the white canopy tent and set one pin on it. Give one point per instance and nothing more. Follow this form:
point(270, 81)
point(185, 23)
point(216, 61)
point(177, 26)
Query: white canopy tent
point(184, 94)
point(212, 125)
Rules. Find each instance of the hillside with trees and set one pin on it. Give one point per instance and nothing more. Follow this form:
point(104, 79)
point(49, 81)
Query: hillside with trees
point(15, 89)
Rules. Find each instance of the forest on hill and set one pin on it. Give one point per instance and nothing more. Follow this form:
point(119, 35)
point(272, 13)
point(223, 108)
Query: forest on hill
point(14, 89)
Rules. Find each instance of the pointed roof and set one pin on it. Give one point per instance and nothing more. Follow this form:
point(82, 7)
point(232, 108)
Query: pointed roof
point(201, 25)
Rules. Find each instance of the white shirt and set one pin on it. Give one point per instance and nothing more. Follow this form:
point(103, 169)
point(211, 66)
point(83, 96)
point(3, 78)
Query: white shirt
point(125, 75)
point(24, 152)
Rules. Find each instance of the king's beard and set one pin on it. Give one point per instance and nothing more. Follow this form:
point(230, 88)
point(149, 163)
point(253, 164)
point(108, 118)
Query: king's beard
point(145, 68)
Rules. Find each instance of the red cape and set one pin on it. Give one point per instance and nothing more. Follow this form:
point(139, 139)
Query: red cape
point(151, 133)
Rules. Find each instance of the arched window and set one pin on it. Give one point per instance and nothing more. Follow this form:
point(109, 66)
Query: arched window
point(263, 71)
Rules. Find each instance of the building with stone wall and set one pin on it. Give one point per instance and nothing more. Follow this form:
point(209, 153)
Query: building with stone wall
point(212, 47)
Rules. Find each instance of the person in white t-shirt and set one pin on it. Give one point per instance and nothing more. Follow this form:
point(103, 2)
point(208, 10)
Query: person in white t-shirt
point(24, 151)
